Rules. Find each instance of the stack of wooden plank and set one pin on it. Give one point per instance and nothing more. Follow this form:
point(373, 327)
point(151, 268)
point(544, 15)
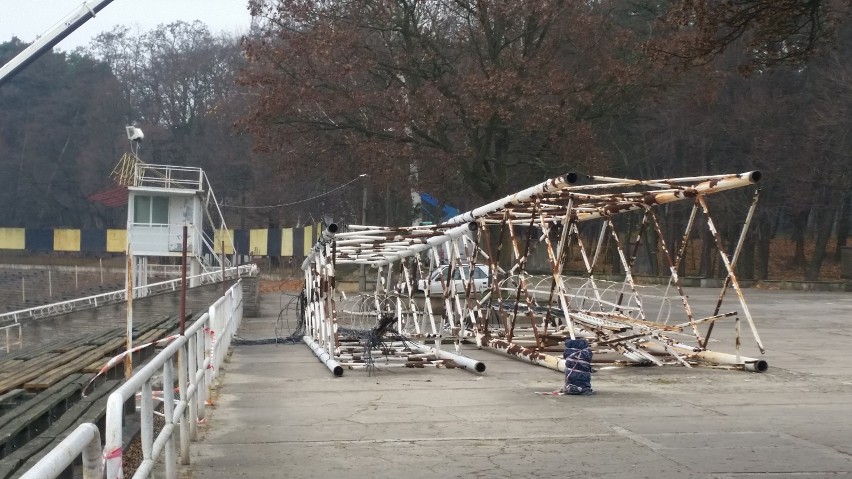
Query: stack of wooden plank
point(40, 390)
point(39, 368)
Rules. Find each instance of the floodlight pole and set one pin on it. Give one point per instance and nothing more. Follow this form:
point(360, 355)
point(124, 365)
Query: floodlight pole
point(49, 39)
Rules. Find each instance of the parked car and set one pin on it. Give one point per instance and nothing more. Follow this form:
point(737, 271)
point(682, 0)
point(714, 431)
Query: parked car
point(434, 285)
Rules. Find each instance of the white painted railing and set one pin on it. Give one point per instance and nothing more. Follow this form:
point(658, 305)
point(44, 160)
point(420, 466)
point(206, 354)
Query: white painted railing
point(195, 358)
point(84, 441)
point(198, 355)
point(9, 332)
point(168, 176)
point(87, 302)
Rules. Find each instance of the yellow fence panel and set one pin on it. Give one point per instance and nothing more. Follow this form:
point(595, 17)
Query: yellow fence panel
point(309, 240)
point(222, 235)
point(13, 238)
point(66, 240)
point(287, 242)
point(258, 241)
point(116, 241)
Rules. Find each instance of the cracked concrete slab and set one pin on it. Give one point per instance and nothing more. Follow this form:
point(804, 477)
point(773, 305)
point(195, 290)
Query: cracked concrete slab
point(280, 413)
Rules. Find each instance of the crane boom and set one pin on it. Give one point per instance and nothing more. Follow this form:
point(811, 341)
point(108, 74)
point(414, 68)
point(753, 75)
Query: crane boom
point(53, 36)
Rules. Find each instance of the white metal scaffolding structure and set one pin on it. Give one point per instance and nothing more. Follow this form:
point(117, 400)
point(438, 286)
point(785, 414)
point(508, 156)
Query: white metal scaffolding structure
point(518, 313)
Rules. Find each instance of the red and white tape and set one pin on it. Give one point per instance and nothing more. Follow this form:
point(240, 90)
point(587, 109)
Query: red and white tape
point(118, 359)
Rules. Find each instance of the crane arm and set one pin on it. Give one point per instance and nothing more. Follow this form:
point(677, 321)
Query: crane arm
point(53, 36)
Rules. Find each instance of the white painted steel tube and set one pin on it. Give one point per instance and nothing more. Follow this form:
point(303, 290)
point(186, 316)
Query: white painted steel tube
point(749, 364)
point(323, 356)
point(85, 440)
point(428, 243)
point(192, 389)
point(183, 387)
point(714, 357)
point(551, 185)
point(396, 365)
point(171, 411)
point(463, 362)
point(755, 365)
point(147, 465)
point(146, 420)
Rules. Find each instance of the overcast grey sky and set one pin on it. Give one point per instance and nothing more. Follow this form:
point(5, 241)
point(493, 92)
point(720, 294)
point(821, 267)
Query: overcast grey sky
point(28, 19)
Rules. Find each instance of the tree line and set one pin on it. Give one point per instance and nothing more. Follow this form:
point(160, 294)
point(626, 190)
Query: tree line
point(465, 100)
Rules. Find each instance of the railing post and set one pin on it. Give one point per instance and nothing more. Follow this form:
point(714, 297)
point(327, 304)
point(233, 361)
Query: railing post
point(240, 304)
point(93, 459)
point(218, 331)
point(86, 439)
point(169, 413)
point(210, 345)
point(146, 419)
point(184, 418)
point(192, 365)
point(227, 324)
point(113, 441)
point(200, 357)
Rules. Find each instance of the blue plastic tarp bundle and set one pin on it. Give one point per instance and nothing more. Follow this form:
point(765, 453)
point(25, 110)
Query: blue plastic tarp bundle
point(578, 367)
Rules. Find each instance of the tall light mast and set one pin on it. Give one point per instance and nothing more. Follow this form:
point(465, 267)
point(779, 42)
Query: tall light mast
point(53, 36)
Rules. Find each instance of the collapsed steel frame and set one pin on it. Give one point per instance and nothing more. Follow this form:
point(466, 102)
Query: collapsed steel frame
point(519, 314)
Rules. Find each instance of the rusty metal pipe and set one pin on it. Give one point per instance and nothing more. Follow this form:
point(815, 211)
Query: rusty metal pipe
point(662, 183)
point(670, 196)
point(709, 185)
point(529, 355)
point(733, 278)
point(734, 260)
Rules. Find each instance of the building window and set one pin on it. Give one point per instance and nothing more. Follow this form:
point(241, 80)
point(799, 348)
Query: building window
point(151, 210)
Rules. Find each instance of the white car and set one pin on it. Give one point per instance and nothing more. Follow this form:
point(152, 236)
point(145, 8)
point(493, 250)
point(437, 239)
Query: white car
point(439, 277)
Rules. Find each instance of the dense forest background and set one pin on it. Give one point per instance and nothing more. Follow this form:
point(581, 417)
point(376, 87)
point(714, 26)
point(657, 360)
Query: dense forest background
point(466, 101)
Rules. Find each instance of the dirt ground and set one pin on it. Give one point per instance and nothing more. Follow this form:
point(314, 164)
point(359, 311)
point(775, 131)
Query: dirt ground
point(286, 285)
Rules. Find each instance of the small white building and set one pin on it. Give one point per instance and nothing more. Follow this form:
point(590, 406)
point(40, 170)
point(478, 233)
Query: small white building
point(162, 200)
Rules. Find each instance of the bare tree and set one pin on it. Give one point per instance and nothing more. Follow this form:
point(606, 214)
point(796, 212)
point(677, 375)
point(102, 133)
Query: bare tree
point(489, 95)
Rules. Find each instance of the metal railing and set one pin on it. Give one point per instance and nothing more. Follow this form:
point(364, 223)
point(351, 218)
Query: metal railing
point(197, 356)
point(84, 441)
point(88, 302)
point(168, 176)
point(8, 333)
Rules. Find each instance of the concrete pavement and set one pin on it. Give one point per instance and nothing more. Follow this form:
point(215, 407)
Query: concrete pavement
point(280, 413)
